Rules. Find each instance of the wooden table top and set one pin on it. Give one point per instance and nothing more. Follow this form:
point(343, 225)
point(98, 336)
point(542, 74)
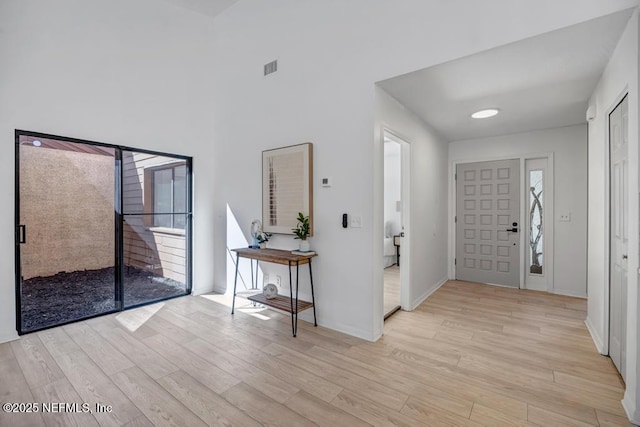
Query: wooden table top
point(277, 256)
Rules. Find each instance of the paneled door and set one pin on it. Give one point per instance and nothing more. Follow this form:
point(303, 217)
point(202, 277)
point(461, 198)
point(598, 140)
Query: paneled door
point(619, 234)
point(487, 216)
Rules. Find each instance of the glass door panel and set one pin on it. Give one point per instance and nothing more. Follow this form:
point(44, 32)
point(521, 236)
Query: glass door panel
point(66, 231)
point(155, 226)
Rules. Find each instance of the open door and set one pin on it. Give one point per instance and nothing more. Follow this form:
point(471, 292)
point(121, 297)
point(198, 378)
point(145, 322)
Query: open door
point(397, 156)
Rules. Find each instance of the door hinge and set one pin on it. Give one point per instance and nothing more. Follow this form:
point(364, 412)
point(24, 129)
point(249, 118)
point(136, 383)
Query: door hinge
point(455, 261)
point(455, 176)
point(455, 219)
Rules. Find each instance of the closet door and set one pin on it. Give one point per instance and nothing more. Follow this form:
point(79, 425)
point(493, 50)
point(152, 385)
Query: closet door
point(619, 234)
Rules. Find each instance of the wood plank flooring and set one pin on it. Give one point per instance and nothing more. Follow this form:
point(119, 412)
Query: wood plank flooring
point(470, 355)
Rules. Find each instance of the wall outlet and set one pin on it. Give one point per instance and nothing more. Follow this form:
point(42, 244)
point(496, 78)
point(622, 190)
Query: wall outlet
point(356, 221)
point(565, 217)
point(265, 279)
point(278, 281)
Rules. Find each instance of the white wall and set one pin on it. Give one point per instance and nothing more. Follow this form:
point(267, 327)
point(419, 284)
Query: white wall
point(392, 186)
point(619, 77)
point(569, 145)
point(131, 73)
point(330, 54)
point(428, 212)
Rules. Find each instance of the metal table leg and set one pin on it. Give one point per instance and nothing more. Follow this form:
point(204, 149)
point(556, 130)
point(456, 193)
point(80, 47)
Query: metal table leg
point(235, 283)
point(295, 331)
point(313, 298)
point(257, 269)
point(293, 328)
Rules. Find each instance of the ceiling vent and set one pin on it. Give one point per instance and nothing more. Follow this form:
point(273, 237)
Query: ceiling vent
point(271, 67)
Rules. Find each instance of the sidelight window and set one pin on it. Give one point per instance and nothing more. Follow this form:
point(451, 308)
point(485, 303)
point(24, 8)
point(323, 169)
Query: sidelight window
point(536, 221)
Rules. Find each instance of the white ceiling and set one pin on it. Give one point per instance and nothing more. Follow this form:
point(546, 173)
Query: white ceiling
point(210, 8)
point(537, 83)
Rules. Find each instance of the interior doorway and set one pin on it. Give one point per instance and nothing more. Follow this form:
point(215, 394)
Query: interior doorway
point(618, 233)
point(99, 228)
point(396, 222)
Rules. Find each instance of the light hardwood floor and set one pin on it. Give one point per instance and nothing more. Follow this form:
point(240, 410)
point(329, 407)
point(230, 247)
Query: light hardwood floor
point(470, 355)
point(391, 288)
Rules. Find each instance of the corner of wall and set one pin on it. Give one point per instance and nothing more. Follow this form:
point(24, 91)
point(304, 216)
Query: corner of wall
point(416, 302)
point(371, 336)
point(9, 337)
point(597, 340)
point(631, 409)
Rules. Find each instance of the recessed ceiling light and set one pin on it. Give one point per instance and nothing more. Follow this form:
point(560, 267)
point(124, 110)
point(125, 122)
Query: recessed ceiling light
point(36, 143)
point(485, 114)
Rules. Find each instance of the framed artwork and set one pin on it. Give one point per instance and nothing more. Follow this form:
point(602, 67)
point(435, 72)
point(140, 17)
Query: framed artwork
point(287, 187)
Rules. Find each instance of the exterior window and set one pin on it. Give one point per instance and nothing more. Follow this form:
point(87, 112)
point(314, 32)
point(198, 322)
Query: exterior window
point(169, 196)
point(536, 230)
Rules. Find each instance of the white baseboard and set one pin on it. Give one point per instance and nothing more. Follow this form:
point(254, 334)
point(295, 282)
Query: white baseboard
point(415, 303)
point(631, 409)
point(594, 336)
point(9, 337)
point(349, 330)
point(568, 294)
point(218, 290)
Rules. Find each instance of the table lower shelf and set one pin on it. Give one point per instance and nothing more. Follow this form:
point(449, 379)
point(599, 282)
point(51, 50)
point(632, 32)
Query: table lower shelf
point(281, 303)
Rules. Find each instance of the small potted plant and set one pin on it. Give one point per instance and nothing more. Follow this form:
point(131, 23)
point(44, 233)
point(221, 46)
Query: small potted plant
point(263, 238)
point(302, 231)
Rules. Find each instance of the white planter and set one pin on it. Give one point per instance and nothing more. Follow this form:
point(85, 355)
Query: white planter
point(304, 246)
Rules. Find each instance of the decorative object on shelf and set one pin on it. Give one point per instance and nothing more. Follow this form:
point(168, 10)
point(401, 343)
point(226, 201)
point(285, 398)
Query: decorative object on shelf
point(270, 291)
point(263, 238)
point(287, 187)
point(256, 230)
point(304, 253)
point(302, 231)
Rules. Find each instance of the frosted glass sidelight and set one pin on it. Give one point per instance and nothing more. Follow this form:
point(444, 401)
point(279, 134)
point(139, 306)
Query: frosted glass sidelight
point(536, 229)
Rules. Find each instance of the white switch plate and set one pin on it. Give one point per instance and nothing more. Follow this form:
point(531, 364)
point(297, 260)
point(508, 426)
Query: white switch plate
point(356, 221)
point(565, 217)
point(278, 281)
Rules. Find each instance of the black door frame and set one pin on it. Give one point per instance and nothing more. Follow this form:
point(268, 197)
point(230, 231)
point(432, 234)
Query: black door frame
point(119, 225)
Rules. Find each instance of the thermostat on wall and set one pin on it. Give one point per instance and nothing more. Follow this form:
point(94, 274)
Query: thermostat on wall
point(326, 182)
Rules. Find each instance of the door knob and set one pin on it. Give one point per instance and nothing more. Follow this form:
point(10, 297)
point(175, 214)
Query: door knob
point(402, 234)
point(513, 230)
point(625, 256)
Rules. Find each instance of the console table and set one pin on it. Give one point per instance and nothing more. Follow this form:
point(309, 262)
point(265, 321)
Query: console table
point(278, 256)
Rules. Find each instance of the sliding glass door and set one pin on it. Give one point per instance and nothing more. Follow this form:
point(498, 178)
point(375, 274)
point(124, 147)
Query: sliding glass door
point(99, 229)
point(155, 190)
point(66, 231)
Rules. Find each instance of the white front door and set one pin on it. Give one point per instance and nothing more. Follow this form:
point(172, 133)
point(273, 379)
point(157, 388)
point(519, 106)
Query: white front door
point(619, 150)
point(487, 222)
